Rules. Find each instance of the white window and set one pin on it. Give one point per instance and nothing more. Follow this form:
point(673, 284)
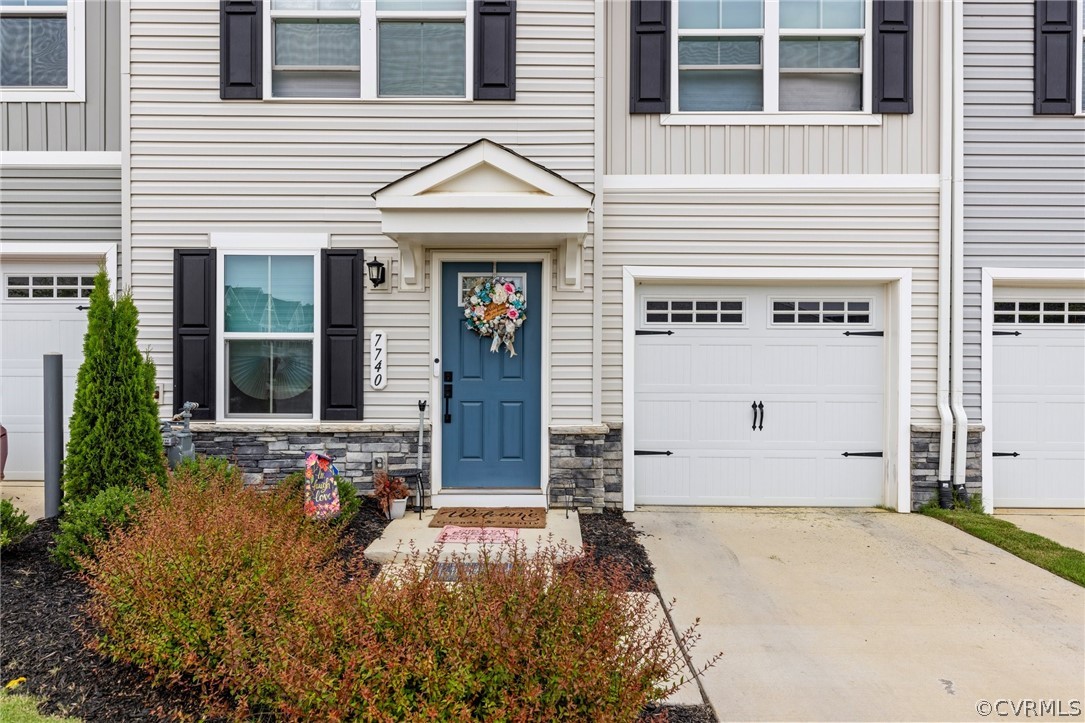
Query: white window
point(821, 311)
point(659, 310)
point(368, 49)
point(37, 287)
point(269, 320)
point(42, 50)
point(772, 56)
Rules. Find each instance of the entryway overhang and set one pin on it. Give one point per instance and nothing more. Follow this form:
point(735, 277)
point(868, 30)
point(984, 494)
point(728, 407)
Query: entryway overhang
point(485, 196)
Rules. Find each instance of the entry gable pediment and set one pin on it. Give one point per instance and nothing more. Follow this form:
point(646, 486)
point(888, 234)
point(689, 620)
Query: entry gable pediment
point(484, 195)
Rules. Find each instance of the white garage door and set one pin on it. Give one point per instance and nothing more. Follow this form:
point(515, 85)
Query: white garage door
point(759, 396)
point(1038, 429)
point(38, 315)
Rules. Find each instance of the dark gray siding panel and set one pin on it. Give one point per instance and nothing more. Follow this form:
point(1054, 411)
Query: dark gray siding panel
point(1024, 174)
point(60, 204)
point(94, 125)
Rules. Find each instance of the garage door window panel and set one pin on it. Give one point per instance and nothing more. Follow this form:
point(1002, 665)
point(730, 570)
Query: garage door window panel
point(41, 287)
point(821, 312)
point(694, 311)
point(1039, 312)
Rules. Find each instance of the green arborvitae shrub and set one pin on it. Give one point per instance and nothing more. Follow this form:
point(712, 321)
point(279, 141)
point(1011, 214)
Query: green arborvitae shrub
point(134, 447)
point(114, 430)
point(13, 525)
point(88, 522)
point(84, 464)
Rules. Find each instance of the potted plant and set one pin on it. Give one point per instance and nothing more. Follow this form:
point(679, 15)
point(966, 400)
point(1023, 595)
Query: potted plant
point(391, 493)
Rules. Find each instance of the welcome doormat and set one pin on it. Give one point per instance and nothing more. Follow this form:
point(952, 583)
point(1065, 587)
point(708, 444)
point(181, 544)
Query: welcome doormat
point(521, 517)
point(481, 535)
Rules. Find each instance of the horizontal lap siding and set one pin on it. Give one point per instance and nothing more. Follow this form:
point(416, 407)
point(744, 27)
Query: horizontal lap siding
point(777, 230)
point(60, 204)
point(201, 165)
point(640, 144)
point(1024, 174)
point(94, 125)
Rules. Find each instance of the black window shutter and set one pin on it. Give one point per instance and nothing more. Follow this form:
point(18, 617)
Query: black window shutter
point(343, 281)
point(495, 50)
point(194, 330)
point(1054, 81)
point(893, 56)
point(241, 57)
point(650, 56)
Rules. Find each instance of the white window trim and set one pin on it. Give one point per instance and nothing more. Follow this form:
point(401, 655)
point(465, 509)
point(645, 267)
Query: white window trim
point(770, 63)
point(643, 322)
point(872, 312)
point(76, 91)
point(369, 60)
point(257, 244)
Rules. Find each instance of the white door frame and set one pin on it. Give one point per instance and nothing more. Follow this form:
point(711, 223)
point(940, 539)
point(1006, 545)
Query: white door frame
point(541, 303)
point(991, 277)
point(898, 356)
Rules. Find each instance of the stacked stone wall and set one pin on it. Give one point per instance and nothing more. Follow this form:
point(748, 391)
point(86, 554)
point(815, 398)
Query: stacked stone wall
point(926, 448)
point(586, 468)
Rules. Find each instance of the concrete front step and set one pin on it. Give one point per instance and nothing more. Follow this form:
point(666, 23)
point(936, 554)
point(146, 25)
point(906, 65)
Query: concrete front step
point(408, 531)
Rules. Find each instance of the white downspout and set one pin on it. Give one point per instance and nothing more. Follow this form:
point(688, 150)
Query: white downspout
point(960, 458)
point(945, 213)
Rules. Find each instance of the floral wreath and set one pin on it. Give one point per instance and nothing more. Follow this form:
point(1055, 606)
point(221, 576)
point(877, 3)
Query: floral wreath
point(496, 307)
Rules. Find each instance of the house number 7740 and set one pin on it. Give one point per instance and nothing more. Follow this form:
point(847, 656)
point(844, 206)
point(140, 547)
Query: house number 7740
point(378, 359)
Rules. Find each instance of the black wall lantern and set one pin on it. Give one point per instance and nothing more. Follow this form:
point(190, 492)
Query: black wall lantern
point(376, 272)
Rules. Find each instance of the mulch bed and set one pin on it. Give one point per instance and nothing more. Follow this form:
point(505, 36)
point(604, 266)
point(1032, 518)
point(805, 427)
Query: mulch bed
point(43, 629)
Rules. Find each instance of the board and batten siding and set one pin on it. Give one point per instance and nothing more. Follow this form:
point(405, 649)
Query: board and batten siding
point(778, 229)
point(60, 204)
point(641, 144)
point(201, 165)
point(1024, 174)
point(93, 125)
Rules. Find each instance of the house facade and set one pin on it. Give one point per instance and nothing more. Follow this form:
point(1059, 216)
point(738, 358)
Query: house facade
point(60, 198)
point(742, 234)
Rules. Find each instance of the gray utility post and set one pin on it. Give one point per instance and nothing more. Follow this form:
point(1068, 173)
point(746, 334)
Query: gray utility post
point(53, 413)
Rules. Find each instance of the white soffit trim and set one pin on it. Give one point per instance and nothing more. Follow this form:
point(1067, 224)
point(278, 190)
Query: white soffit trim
point(873, 182)
point(74, 159)
point(484, 195)
point(989, 279)
point(107, 251)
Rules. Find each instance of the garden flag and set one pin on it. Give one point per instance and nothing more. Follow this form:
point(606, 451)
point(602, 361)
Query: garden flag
point(321, 492)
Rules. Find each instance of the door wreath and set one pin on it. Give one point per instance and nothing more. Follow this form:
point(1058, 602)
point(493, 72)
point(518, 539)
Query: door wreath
point(495, 307)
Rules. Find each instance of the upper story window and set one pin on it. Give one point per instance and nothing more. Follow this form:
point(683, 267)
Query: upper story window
point(772, 56)
point(41, 50)
point(367, 49)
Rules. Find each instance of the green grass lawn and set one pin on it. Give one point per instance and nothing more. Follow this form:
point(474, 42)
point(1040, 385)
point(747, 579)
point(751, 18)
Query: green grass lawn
point(1051, 556)
point(24, 709)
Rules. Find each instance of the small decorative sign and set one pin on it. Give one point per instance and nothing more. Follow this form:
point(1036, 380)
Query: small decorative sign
point(378, 359)
point(321, 492)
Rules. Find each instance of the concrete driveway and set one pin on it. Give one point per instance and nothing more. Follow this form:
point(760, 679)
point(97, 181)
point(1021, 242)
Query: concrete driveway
point(865, 615)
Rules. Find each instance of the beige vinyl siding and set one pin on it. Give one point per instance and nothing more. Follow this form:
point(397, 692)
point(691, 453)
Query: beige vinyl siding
point(94, 125)
point(60, 204)
point(640, 144)
point(1024, 190)
point(882, 229)
point(201, 165)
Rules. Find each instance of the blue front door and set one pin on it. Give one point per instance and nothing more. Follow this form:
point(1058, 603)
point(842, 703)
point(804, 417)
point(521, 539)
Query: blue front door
point(493, 425)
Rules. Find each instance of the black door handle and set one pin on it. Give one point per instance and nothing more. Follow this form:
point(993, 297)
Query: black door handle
point(761, 408)
point(448, 399)
point(753, 406)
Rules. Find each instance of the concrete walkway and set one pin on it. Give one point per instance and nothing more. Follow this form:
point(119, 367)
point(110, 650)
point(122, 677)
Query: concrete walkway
point(1066, 527)
point(863, 615)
